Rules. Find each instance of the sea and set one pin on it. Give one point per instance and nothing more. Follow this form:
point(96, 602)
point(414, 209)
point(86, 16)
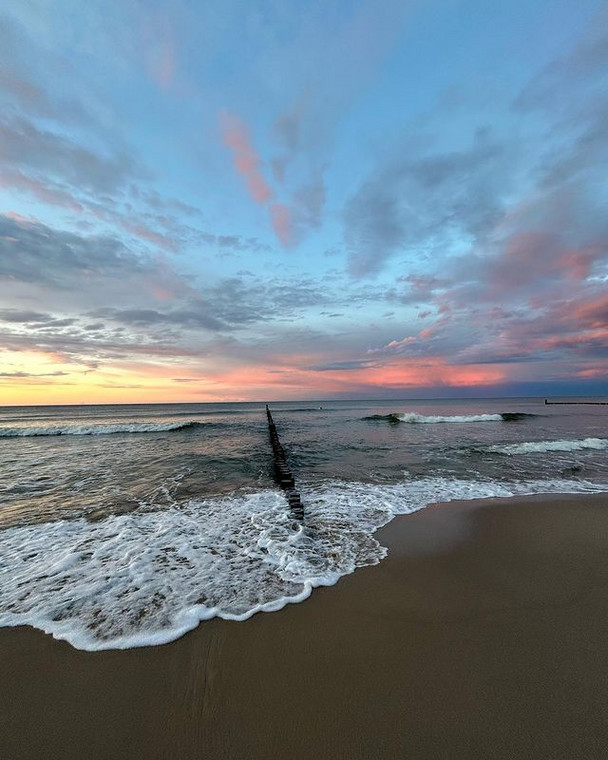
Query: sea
point(128, 525)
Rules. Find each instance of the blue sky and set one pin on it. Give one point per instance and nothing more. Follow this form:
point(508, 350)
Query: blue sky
point(237, 200)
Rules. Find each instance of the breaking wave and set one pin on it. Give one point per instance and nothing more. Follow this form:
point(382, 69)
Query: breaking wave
point(135, 427)
point(540, 447)
point(414, 418)
point(393, 418)
point(147, 577)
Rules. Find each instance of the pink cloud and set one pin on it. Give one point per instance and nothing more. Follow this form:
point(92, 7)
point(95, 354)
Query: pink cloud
point(432, 371)
point(17, 181)
point(526, 257)
point(577, 264)
point(423, 284)
point(532, 260)
point(161, 293)
point(236, 137)
point(583, 340)
point(594, 312)
point(594, 372)
point(291, 379)
point(144, 233)
point(282, 223)
point(18, 217)
point(394, 346)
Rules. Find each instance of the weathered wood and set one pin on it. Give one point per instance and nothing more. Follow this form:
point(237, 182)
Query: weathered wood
point(282, 474)
point(576, 403)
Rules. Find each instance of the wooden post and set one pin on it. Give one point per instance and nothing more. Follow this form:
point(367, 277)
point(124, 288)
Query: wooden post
point(282, 474)
point(576, 403)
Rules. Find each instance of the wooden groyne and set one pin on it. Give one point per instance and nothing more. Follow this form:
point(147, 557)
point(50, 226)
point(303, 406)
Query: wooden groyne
point(575, 403)
point(282, 473)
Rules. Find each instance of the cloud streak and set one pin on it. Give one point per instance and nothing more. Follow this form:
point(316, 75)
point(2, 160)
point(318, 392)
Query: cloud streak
point(443, 232)
point(237, 139)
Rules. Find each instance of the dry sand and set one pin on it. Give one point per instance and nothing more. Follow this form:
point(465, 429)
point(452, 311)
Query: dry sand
point(483, 635)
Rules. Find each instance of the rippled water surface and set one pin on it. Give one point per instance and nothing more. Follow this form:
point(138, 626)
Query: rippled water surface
point(127, 525)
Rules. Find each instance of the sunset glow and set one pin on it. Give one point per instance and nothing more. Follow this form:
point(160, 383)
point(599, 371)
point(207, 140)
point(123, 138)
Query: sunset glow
point(205, 202)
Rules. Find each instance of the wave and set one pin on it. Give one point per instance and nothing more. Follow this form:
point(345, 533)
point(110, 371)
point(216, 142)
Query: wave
point(142, 427)
point(414, 418)
point(540, 447)
point(392, 418)
point(147, 577)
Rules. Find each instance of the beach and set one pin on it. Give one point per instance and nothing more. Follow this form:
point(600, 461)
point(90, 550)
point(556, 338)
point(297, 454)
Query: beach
point(482, 634)
point(303, 380)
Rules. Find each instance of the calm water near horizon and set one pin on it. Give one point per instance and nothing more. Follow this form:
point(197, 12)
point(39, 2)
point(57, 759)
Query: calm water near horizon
point(127, 525)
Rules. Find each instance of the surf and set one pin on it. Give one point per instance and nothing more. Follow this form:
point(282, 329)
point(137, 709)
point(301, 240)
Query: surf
point(146, 577)
point(130, 428)
point(413, 418)
point(541, 447)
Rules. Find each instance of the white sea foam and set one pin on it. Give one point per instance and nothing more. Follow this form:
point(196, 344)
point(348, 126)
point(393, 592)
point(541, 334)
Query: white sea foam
point(147, 577)
point(135, 427)
point(414, 418)
point(539, 447)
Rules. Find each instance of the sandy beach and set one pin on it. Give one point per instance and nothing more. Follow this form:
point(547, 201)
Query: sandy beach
point(482, 635)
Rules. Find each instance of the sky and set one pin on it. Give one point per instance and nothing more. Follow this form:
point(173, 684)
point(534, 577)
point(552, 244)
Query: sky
point(302, 199)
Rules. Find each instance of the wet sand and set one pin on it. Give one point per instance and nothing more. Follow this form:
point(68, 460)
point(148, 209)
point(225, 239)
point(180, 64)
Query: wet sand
point(484, 634)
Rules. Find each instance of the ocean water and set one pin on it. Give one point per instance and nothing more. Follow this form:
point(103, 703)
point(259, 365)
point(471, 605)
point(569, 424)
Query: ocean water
point(124, 526)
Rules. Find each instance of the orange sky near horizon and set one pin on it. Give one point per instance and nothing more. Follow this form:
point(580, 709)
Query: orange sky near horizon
point(32, 378)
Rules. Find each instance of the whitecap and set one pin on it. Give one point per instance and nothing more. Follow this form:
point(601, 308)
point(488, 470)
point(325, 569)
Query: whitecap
point(414, 418)
point(147, 577)
point(539, 447)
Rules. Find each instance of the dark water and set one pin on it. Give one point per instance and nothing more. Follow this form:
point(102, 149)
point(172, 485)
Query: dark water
point(62, 461)
point(172, 508)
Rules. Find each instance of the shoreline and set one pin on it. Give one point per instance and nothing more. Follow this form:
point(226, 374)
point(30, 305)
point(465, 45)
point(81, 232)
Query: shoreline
point(481, 634)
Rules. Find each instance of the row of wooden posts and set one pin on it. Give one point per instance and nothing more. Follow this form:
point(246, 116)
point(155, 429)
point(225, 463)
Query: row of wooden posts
point(282, 473)
point(575, 403)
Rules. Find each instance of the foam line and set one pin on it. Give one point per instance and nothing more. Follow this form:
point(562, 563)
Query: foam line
point(413, 418)
point(539, 447)
point(147, 577)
